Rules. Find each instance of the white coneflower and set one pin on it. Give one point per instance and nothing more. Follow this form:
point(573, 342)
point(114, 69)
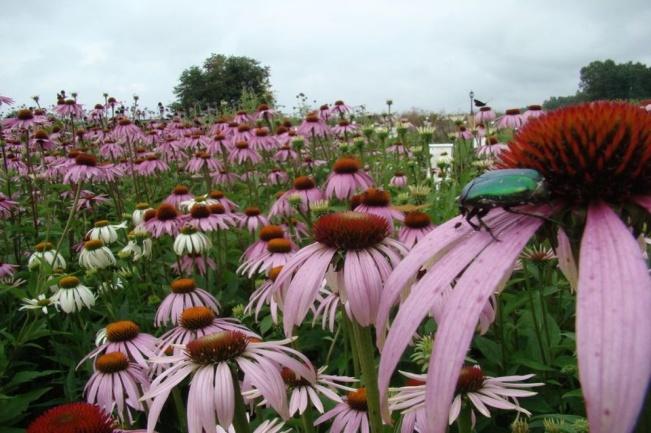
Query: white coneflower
point(107, 233)
point(72, 296)
point(190, 241)
point(95, 255)
point(139, 245)
point(41, 302)
point(138, 215)
point(45, 253)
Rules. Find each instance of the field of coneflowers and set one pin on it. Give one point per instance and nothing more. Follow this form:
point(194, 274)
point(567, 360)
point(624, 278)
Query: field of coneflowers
point(254, 271)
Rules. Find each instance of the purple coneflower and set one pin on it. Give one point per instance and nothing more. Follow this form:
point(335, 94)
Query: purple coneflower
point(278, 252)
point(416, 226)
point(263, 295)
point(588, 172)
point(286, 153)
point(313, 126)
point(69, 107)
point(184, 293)
point(6, 100)
point(188, 264)
point(117, 385)
point(532, 112)
point(73, 418)
point(180, 193)
point(485, 115)
point(258, 248)
point(264, 112)
point(344, 128)
point(6, 206)
point(164, 221)
point(126, 130)
point(261, 140)
point(346, 178)
point(399, 179)
point(252, 219)
point(377, 202)
point(211, 399)
point(350, 416)
point(125, 336)
point(277, 177)
point(195, 322)
point(243, 153)
point(85, 169)
point(7, 270)
point(151, 166)
point(511, 119)
point(305, 188)
point(367, 257)
point(202, 161)
point(218, 197)
point(339, 108)
point(24, 119)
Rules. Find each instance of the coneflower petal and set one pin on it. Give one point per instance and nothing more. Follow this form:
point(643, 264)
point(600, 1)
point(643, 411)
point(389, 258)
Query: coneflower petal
point(613, 325)
point(461, 315)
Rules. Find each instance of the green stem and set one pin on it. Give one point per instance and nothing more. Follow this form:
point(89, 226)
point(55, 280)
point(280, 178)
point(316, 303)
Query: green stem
point(240, 422)
point(306, 419)
point(180, 407)
point(348, 330)
point(464, 422)
point(366, 354)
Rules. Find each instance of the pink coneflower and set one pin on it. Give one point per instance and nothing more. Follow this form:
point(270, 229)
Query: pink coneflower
point(7, 270)
point(218, 197)
point(252, 219)
point(165, 221)
point(346, 179)
point(264, 112)
point(472, 388)
point(125, 336)
point(184, 293)
point(278, 252)
point(305, 188)
point(97, 112)
point(117, 385)
point(350, 416)
point(69, 108)
point(399, 179)
point(586, 172)
point(24, 119)
point(189, 264)
point(85, 169)
point(258, 248)
point(378, 202)
point(211, 399)
point(533, 111)
point(492, 148)
point(211, 217)
point(416, 226)
point(398, 148)
point(286, 153)
point(241, 117)
point(242, 132)
point(73, 418)
point(261, 140)
point(480, 130)
point(243, 153)
point(7, 206)
point(511, 119)
point(196, 322)
point(485, 115)
point(218, 145)
point(263, 295)
point(126, 130)
point(151, 166)
point(88, 200)
point(202, 161)
point(463, 133)
point(344, 127)
point(224, 177)
point(6, 100)
point(41, 139)
point(313, 126)
point(277, 177)
point(364, 256)
point(339, 108)
point(180, 193)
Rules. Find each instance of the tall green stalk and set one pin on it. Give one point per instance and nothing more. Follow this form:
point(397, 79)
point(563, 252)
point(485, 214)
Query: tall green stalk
point(366, 353)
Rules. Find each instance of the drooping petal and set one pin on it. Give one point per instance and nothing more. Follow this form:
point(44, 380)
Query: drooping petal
point(613, 323)
point(462, 312)
point(566, 261)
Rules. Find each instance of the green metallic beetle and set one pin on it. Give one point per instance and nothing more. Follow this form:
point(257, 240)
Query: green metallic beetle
point(501, 188)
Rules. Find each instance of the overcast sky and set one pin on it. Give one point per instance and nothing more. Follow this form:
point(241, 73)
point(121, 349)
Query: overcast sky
point(425, 54)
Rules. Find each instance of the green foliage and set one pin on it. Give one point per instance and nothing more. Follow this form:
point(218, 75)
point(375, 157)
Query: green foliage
point(223, 81)
point(607, 80)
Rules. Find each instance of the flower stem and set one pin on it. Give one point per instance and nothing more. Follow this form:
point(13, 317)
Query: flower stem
point(366, 353)
point(180, 407)
point(306, 419)
point(464, 422)
point(240, 422)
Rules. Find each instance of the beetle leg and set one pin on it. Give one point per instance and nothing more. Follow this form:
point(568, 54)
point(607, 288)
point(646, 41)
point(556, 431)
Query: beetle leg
point(542, 217)
point(471, 214)
point(481, 214)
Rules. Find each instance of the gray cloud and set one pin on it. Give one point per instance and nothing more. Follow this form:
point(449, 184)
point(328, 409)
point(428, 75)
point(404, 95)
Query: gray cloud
point(418, 53)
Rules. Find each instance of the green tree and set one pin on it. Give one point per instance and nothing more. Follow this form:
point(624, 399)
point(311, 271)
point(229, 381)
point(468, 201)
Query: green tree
point(222, 80)
point(608, 80)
